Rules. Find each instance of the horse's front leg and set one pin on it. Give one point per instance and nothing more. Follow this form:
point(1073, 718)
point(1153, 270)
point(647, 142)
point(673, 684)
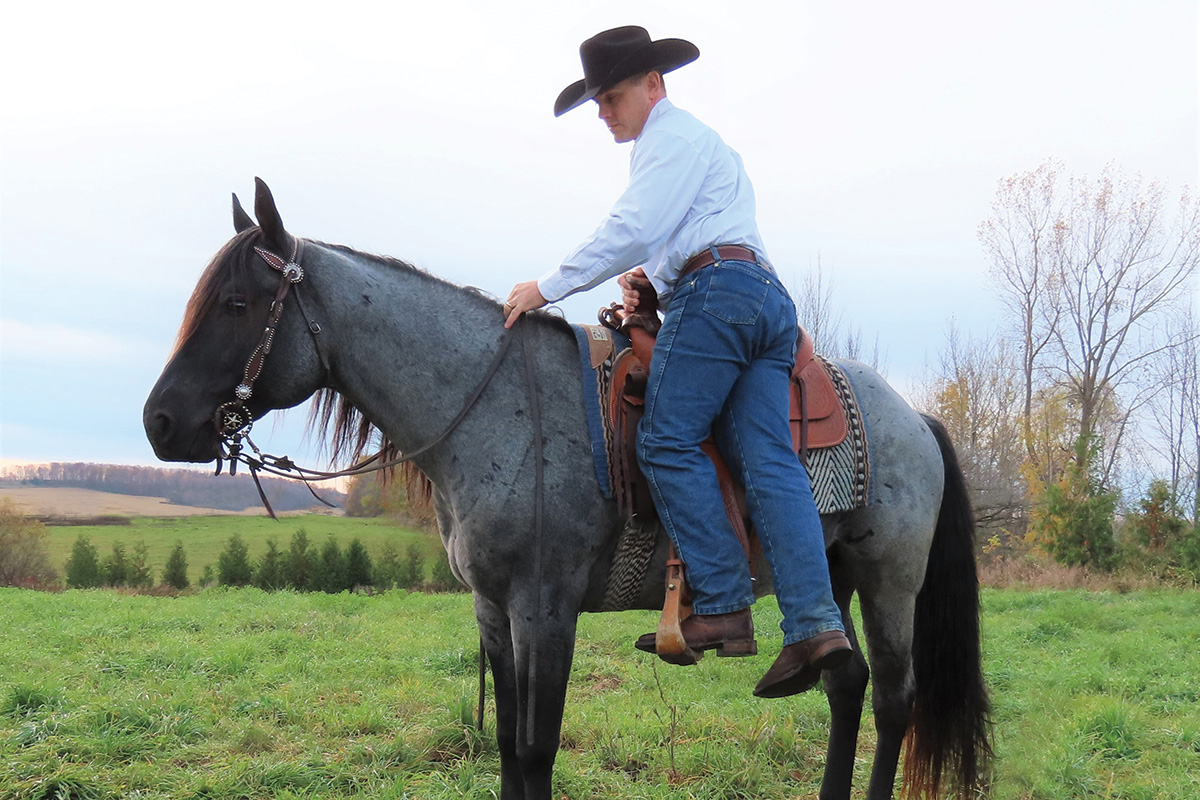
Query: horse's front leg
point(530, 654)
point(496, 635)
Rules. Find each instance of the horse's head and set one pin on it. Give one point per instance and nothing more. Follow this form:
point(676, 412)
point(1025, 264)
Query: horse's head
point(222, 327)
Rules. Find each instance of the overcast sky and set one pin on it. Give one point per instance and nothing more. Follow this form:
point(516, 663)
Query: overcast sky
point(875, 134)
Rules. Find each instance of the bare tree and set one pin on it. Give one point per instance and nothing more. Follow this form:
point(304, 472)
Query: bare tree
point(1122, 267)
point(1174, 418)
point(825, 320)
point(1021, 236)
point(1088, 273)
point(975, 391)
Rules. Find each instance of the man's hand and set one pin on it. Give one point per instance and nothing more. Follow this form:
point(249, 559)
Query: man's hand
point(631, 284)
point(523, 297)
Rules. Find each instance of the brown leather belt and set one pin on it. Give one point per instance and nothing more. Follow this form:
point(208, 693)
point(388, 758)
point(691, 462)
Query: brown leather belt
point(727, 252)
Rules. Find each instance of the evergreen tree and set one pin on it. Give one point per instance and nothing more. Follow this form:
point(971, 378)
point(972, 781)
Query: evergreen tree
point(443, 578)
point(116, 566)
point(298, 565)
point(269, 572)
point(233, 565)
point(330, 574)
point(358, 565)
point(175, 573)
point(387, 567)
point(83, 567)
point(139, 575)
point(414, 567)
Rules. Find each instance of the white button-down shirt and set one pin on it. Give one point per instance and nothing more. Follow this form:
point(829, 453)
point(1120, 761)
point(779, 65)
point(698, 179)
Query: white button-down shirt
point(687, 190)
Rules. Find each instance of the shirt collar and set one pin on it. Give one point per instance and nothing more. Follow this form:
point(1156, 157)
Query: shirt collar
point(660, 108)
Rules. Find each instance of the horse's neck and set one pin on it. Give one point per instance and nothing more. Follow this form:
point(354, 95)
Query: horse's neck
point(408, 347)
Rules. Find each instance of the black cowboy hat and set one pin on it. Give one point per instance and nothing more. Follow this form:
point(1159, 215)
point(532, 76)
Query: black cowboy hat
point(612, 56)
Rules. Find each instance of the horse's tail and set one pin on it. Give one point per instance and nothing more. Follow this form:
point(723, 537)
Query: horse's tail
point(949, 729)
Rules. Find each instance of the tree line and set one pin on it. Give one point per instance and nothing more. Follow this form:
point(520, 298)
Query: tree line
point(180, 486)
point(1078, 421)
point(301, 567)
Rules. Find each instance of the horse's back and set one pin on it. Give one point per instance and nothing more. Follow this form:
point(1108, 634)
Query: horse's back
point(887, 541)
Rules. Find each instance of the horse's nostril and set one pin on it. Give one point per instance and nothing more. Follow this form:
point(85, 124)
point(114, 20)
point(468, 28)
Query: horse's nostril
point(160, 426)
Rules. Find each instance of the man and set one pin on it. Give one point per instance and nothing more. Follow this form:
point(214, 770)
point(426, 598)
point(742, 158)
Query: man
point(721, 362)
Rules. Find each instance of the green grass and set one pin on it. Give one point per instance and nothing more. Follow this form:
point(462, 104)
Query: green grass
point(205, 537)
point(242, 694)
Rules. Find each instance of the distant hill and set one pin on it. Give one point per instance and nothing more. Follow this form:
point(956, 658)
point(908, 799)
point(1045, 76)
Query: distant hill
point(176, 486)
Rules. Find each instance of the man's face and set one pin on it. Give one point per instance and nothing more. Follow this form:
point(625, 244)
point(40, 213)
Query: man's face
point(625, 107)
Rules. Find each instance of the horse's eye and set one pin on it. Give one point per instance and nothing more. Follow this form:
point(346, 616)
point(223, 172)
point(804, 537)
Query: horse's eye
point(236, 306)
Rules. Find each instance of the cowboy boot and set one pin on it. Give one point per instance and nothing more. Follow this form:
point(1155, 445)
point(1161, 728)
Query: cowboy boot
point(799, 666)
point(731, 635)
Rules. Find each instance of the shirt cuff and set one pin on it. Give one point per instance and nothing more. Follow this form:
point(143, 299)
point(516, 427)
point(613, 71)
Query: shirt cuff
point(554, 286)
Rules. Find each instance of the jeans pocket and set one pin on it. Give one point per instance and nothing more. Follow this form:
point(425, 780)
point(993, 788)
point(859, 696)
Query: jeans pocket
point(735, 296)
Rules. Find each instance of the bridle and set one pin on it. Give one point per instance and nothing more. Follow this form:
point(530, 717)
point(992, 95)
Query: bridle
point(234, 421)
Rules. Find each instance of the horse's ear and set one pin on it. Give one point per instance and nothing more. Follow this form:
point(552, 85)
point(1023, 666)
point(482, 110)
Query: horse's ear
point(274, 236)
point(241, 220)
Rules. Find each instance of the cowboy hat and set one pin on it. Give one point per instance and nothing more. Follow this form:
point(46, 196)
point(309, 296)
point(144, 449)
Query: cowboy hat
point(615, 55)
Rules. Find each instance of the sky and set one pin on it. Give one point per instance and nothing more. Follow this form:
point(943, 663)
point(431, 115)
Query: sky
point(875, 134)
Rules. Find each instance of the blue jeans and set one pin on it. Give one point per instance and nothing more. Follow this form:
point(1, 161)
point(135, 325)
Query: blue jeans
point(722, 364)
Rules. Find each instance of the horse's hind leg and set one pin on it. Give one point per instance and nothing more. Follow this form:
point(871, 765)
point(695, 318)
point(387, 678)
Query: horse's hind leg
point(887, 622)
point(845, 687)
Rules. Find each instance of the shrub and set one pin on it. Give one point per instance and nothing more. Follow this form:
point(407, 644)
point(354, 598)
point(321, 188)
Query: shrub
point(442, 578)
point(24, 555)
point(386, 569)
point(414, 566)
point(358, 565)
point(330, 573)
point(233, 565)
point(83, 567)
point(175, 573)
point(139, 576)
point(116, 566)
point(269, 572)
point(298, 565)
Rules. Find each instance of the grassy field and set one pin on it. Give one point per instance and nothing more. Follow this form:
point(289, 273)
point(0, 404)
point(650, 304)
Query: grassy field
point(204, 537)
point(242, 694)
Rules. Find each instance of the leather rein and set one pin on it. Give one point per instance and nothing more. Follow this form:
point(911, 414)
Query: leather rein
point(233, 420)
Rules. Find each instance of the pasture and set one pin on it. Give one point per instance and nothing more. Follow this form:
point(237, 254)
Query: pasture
point(243, 694)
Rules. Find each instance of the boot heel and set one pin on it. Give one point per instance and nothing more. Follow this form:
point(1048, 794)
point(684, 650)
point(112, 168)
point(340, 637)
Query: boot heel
point(738, 649)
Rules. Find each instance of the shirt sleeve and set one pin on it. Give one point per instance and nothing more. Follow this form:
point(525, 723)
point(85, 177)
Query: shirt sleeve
point(665, 175)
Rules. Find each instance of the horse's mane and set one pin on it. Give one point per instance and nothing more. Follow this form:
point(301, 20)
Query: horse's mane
point(344, 433)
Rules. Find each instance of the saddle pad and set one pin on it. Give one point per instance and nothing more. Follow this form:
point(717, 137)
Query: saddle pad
point(598, 348)
point(840, 475)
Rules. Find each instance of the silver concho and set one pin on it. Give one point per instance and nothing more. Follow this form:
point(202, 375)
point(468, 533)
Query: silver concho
point(243, 391)
point(292, 272)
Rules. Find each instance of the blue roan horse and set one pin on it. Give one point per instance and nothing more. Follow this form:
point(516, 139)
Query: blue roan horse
point(399, 350)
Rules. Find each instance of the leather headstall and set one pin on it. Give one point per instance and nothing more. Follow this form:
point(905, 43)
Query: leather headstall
point(233, 419)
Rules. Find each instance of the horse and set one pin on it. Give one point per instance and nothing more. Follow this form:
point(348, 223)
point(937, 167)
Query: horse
point(390, 351)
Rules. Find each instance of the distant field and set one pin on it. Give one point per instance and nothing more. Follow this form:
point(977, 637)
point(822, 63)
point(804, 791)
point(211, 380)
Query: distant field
point(243, 694)
point(204, 537)
point(68, 502)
